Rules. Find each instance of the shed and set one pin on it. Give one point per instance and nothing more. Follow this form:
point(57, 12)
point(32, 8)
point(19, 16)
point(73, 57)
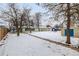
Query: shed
point(74, 30)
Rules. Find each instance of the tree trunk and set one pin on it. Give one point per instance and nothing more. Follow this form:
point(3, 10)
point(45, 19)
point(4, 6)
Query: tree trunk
point(29, 26)
point(30, 30)
point(68, 24)
point(18, 33)
point(21, 30)
point(17, 28)
point(38, 25)
point(38, 29)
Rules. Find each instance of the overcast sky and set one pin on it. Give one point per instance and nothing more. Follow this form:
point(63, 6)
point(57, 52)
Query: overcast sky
point(34, 8)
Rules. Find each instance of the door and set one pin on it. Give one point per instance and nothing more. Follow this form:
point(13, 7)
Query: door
point(71, 32)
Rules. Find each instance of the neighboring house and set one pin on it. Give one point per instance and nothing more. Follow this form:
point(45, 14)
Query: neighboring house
point(74, 29)
point(55, 25)
point(3, 29)
point(44, 28)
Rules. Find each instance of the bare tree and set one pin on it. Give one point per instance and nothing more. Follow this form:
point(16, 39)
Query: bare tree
point(15, 16)
point(38, 17)
point(27, 18)
point(61, 9)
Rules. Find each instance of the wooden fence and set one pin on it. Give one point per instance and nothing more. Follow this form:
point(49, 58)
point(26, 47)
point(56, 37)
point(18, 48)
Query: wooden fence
point(3, 32)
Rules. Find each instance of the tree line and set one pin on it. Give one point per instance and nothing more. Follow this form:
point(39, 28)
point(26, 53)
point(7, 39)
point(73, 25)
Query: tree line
point(19, 17)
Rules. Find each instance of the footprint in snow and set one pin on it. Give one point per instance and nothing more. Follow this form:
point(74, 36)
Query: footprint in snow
point(49, 47)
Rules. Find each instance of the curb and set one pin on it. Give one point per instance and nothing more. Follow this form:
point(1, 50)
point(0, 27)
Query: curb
point(58, 43)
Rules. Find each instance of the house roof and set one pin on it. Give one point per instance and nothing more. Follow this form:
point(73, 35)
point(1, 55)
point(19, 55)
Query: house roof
point(54, 23)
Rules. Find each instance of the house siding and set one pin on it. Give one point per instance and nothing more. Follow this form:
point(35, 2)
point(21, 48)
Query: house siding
point(75, 32)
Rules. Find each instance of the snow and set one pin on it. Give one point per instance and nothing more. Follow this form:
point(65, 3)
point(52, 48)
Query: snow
point(26, 45)
point(56, 36)
point(51, 35)
point(1, 47)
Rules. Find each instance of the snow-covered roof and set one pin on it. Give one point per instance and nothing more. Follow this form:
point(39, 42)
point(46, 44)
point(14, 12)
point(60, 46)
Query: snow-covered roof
point(4, 23)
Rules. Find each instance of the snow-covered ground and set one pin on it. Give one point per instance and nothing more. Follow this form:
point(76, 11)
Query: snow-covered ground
point(1, 47)
point(56, 36)
point(26, 45)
